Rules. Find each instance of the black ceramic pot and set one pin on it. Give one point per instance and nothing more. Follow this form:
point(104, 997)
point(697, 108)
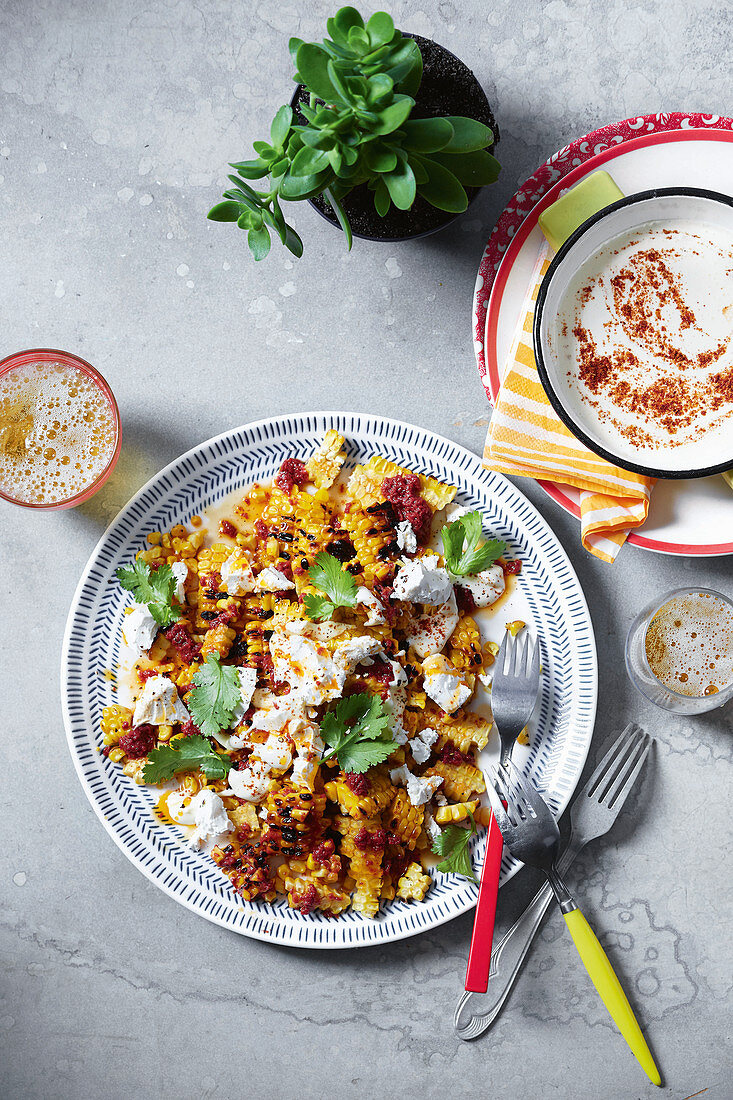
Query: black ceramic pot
point(448, 87)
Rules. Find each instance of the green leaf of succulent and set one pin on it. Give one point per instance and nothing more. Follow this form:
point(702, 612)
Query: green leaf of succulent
point(293, 242)
point(401, 186)
point(472, 169)
point(309, 161)
point(264, 149)
point(380, 86)
point(468, 135)
point(224, 212)
point(293, 46)
point(382, 201)
point(313, 71)
point(342, 22)
point(252, 169)
point(405, 67)
point(280, 127)
point(391, 118)
point(259, 242)
point(380, 29)
point(427, 135)
point(358, 39)
point(442, 189)
point(341, 215)
point(296, 188)
point(378, 158)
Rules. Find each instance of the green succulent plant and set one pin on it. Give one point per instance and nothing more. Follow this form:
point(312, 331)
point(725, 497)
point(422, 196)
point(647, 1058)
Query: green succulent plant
point(361, 84)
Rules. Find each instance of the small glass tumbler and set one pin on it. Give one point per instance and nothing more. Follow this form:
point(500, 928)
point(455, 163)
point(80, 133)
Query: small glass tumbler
point(721, 627)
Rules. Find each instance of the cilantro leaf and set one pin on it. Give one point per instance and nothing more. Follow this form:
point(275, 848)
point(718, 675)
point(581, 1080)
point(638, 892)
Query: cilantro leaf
point(187, 754)
point(338, 584)
point(215, 696)
point(154, 587)
point(453, 845)
point(473, 558)
point(317, 607)
point(356, 732)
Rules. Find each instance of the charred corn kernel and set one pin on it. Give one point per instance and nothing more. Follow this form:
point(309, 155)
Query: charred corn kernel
point(195, 521)
point(490, 650)
point(365, 484)
point(464, 649)
point(460, 781)
point(324, 464)
point(464, 729)
point(405, 820)
point(191, 784)
point(523, 737)
point(116, 722)
point(116, 754)
point(134, 769)
point(482, 816)
point(459, 811)
point(514, 627)
point(414, 884)
point(362, 806)
point(165, 732)
point(154, 538)
point(179, 531)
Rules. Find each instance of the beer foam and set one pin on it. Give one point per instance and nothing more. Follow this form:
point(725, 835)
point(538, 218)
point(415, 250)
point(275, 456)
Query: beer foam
point(689, 644)
point(57, 432)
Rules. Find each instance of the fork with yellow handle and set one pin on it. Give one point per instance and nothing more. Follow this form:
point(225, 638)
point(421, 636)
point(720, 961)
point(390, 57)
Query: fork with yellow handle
point(531, 834)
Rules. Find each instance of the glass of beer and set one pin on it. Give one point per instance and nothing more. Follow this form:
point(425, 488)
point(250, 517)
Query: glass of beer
point(59, 429)
point(679, 650)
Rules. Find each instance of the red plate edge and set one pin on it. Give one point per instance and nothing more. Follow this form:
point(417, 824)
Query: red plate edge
point(660, 129)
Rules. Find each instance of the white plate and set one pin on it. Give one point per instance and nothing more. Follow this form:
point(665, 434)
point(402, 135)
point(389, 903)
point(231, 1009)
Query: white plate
point(547, 595)
point(686, 517)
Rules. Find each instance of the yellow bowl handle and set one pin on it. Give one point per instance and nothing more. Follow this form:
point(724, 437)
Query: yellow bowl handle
point(581, 202)
point(604, 979)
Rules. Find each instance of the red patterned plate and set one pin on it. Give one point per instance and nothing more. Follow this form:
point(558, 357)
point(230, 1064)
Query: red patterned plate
point(686, 517)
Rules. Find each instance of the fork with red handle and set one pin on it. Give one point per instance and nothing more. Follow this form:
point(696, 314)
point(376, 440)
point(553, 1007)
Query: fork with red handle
point(514, 689)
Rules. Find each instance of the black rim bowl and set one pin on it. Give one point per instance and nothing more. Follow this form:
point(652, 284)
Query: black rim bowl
point(565, 417)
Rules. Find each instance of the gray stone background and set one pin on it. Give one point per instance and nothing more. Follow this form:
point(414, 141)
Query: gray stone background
point(117, 121)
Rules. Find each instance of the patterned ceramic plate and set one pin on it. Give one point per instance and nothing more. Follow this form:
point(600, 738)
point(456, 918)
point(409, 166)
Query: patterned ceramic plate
point(547, 595)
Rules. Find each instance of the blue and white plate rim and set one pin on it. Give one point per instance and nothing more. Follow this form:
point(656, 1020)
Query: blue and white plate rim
point(125, 809)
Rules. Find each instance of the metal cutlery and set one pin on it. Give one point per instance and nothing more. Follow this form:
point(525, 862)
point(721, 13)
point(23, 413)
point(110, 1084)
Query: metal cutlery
point(592, 814)
point(531, 834)
point(514, 690)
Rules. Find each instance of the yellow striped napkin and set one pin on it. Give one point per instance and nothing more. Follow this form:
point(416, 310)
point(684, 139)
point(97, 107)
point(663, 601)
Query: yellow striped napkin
point(526, 438)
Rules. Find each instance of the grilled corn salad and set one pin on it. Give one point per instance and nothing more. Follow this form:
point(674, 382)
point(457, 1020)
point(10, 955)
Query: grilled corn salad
point(305, 682)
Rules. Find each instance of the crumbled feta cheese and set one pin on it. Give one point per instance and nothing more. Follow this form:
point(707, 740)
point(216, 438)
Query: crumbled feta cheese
point(395, 703)
point(373, 605)
point(406, 537)
point(356, 651)
point(399, 775)
point(420, 750)
point(139, 629)
point(247, 685)
point(237, 578)
point(158, 703)
point(419, 790)
point(399, 676)
point(485, 680)
point(421, 744)
point(310, 750)
point(430, 632)
point(278, 712)
point(443, 684)
point(307, 666)
point(275, 752)
point(485, 587)
point(272, 580)
point(431, 825)
point(454, 512)
point(205, 812)
point(180, 572)
point(251, 783)
point(422, 580)
point(322, 632)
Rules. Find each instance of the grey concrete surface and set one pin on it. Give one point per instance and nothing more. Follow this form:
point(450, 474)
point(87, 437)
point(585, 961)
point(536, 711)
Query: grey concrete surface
point(116, 123)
